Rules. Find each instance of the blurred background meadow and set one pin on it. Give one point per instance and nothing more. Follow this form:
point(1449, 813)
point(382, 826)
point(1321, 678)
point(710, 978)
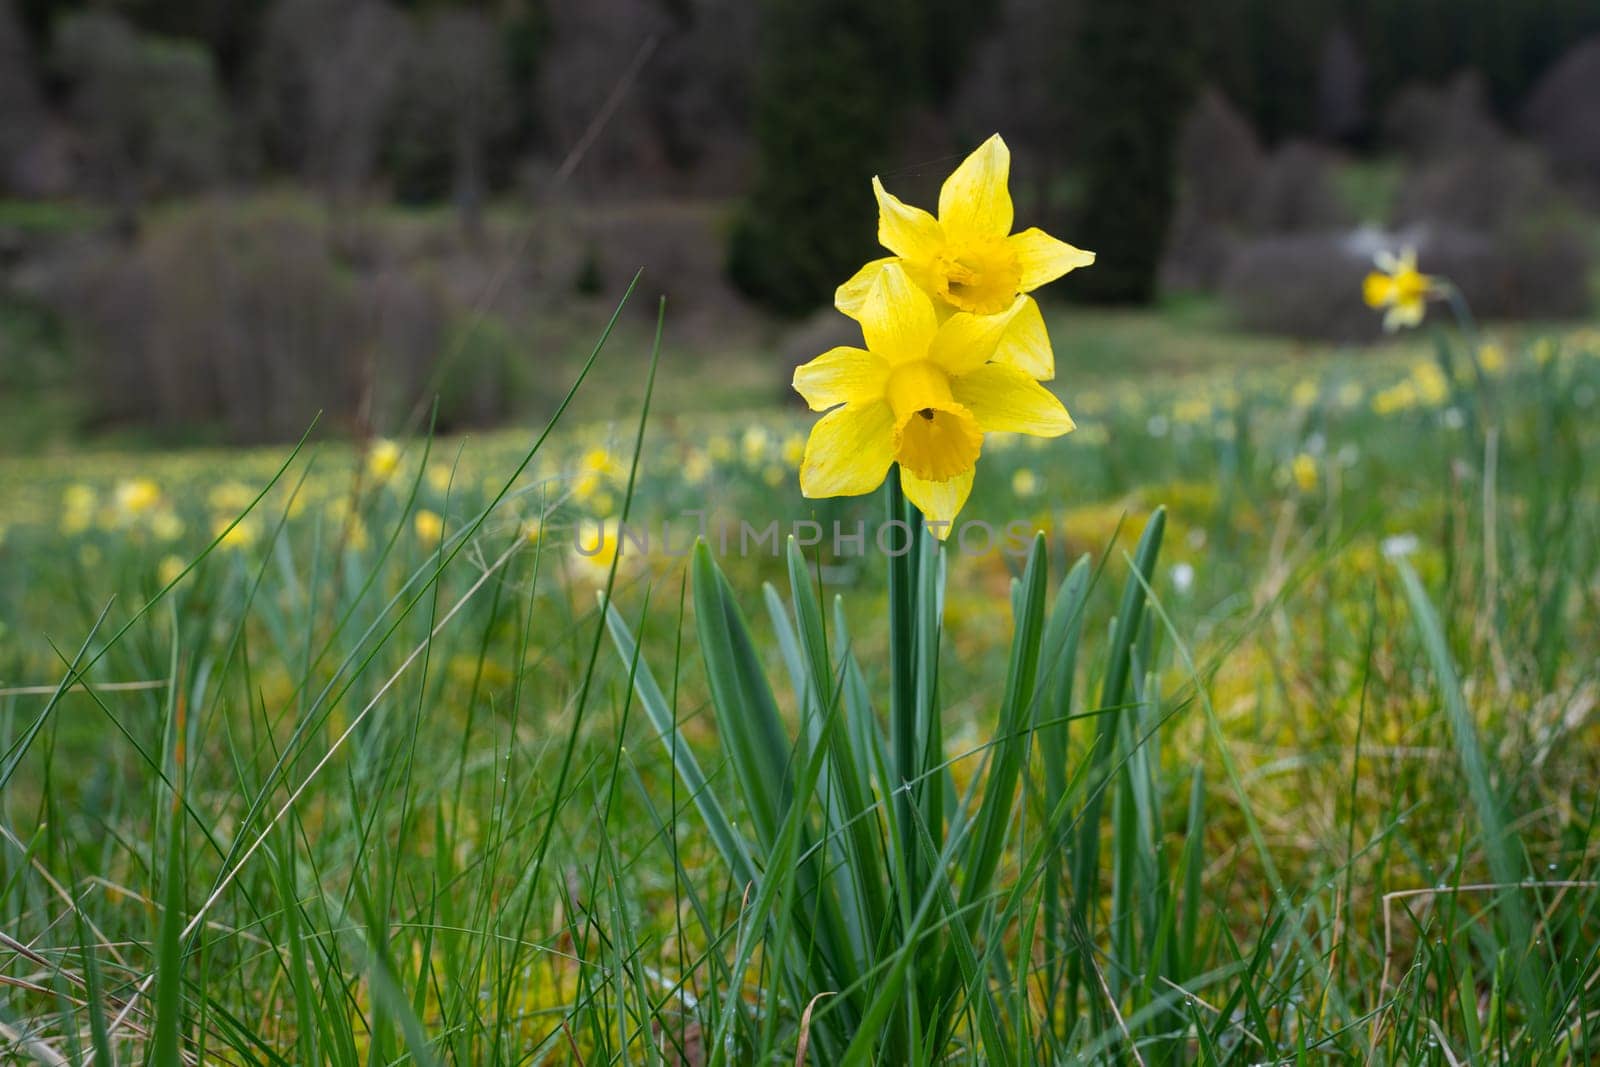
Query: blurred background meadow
point(327, 328)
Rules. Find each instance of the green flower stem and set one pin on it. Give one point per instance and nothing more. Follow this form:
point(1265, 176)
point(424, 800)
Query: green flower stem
point(903, 726)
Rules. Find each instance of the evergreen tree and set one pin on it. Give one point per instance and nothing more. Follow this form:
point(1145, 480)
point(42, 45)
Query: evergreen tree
point(1134, 59)
point(833, 74)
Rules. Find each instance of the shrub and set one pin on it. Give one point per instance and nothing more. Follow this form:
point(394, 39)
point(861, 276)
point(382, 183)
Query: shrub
point(1430, 122)
point(149, 110)
point(1560, 114)
point(242, 319)
point(823, 121)
point(1484, 190)
point(1295, 192)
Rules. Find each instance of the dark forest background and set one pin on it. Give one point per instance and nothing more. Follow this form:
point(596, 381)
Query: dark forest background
point(226, 210)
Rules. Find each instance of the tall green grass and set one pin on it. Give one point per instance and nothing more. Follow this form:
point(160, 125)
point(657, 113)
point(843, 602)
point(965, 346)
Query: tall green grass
point(319, 802)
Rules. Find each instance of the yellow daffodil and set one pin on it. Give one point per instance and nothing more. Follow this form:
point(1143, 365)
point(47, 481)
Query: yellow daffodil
point(1492, 358)
point(754, 445)
point(439, 477)
point(1399, 397)
point(383, 459)
point(697, 466)
point(794, 450)
point(1398, 288)
point(429, 527)
point(595, 548)
point(597, 469)
point(235, 536)
point(1304, 472)
point(921, 394)
point(230, 496)
point(166, 525)
point(168, 570)
point(1024, 483)
point(1433, 388)
point(968, 260)
point(136, 496)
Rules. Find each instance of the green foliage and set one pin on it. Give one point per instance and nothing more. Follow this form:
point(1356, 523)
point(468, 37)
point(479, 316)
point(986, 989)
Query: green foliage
point(872, 879)
point(1134, 73)
point(832, 78)
point(311, 800)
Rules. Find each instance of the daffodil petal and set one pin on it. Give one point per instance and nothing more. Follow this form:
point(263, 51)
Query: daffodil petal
point(849, 297)
point(840, 376)
point(897, 318)
point(1043, 259)
point(1026, 343)
point(905, 230)
point(849, 451)
point(1404, 313)
point(966, 341)
point(974, 201)
point(1377, 290)
point(1005, 399)
point(939, 502)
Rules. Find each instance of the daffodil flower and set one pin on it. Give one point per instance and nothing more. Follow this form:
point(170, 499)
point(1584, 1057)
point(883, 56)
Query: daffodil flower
point(1399, 287)
point(968, 260)
point(921, 394)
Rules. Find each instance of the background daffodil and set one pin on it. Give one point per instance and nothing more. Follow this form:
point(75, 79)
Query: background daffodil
point(1399, 287)
point(968, 260)
point(922, 394)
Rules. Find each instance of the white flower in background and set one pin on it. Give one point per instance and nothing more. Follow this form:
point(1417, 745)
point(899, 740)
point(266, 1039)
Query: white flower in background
point(1182, 578)
point(1399, 546)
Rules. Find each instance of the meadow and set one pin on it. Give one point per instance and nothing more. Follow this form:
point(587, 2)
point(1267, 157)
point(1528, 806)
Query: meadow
point(1280, 745)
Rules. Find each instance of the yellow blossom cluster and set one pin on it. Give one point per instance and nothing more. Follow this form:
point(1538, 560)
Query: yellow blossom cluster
point(954, 347)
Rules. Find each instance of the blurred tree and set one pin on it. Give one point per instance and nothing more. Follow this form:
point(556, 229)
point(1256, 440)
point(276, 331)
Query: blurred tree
point(148, 110)
point(1016, 83)
point(1135, 68)
point(455, 100)
point(954, 29)
point(1561, 114)
point(1341, 88)
point(831, 81)
point(329, 70)
point(592, 46)
point(21, 109)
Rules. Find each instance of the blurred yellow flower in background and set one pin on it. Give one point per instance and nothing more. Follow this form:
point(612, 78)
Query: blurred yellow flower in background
point(230, 496)
point(168, 570)
point(921, 394)
point(968, 260)
point(1395, 398)
point(383, 459)
point(1304, 471)
point(240, 536)
point(135, 497)
point(429, 527)
point(1024, 483)
point(697, 466)
point(597, 470)
point(166, 525)
point(1432, 385)
point(1398, 288)
point(77, 508)
point(754, 445)
point(439, 477)
point(595, 547)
